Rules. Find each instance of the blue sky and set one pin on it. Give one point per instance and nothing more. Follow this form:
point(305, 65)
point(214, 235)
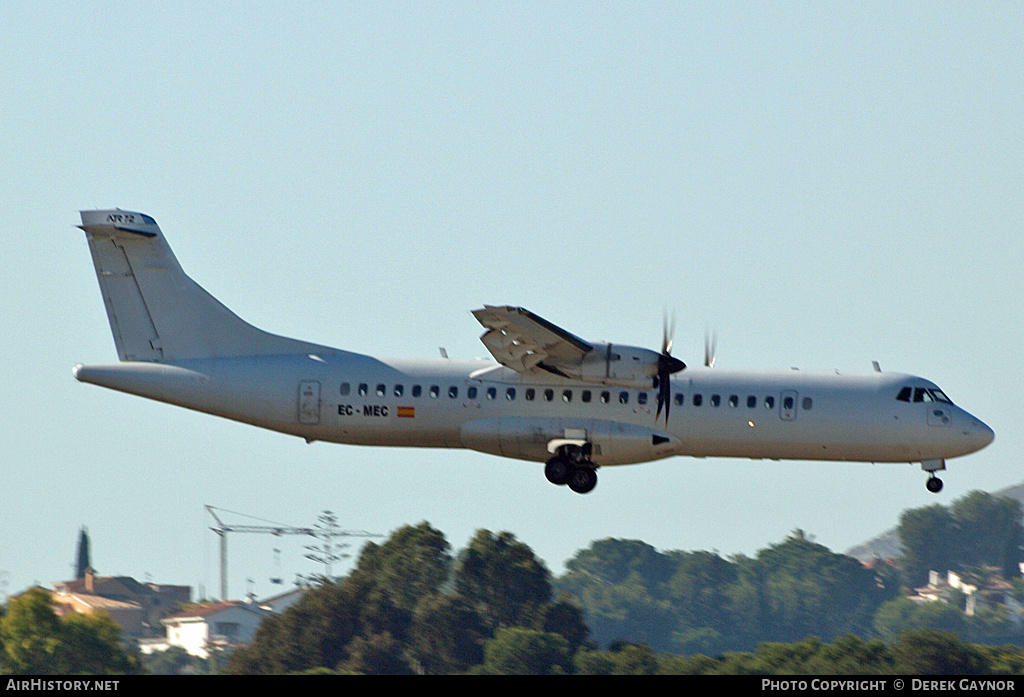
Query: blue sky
point(823, 184)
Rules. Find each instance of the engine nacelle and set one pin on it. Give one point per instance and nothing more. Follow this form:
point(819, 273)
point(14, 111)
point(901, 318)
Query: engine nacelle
point(530, 438)
point(618, 365)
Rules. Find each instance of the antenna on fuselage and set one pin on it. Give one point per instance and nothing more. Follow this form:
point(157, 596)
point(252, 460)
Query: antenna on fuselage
point(878, 368)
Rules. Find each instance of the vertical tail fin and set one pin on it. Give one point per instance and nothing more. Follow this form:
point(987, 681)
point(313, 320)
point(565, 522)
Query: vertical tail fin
point(156, 312)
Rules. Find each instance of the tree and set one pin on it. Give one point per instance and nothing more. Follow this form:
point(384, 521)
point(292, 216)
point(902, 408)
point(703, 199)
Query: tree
point(926, 535)
point(898, 616)
point(977, 530)
point(35, 641)
point(377, 654)
point(633, 659)
point(30, 633)
point(82, 556)
point(611, 561)
point(627, 611)
point(699, 590)
point(447, 636)
point(989, 532)
point(564, 617)
point(936, 652)
point(502, 580)
point(799, 588)
point(518, 651)
point(174, 661)
point(621, 585)
point(91, 645)
point(413, 563)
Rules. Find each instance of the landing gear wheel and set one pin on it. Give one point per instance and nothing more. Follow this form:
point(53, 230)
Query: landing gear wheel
point(557, 470)
point(582, 479)
point(934, 484)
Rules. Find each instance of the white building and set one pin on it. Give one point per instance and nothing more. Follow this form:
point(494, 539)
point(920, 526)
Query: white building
point(214, 625)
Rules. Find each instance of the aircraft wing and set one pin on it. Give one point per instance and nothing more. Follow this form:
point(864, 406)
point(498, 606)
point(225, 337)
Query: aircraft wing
point(527, 343)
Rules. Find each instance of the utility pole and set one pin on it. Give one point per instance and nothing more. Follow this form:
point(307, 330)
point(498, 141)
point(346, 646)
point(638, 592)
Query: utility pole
point(326, 530)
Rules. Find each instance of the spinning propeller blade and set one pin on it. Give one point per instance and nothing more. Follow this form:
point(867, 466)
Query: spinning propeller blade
point(710, 344)
point(666, 366)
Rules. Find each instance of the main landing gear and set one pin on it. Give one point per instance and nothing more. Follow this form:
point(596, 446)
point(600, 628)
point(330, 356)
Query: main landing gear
point(571, 466)
point(934, 484)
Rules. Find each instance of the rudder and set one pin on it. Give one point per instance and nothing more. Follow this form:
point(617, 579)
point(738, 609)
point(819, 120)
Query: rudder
point(156, 312)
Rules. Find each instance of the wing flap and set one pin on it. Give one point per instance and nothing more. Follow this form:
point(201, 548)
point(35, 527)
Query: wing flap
point(528, 343)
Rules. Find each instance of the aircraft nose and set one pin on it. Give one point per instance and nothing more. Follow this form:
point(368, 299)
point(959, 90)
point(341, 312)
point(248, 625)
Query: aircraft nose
point(980, 433)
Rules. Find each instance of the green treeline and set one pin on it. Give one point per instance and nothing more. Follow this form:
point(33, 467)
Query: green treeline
point(411, 606)
point(700, 602)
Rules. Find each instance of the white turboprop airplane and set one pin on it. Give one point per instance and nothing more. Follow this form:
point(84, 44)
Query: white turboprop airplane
point(548, 397)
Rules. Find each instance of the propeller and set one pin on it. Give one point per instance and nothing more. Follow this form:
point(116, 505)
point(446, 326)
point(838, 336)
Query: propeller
point(666, 366)
point(710, 344)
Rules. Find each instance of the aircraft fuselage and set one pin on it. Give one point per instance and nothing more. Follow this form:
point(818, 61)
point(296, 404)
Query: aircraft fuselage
point(350, 398)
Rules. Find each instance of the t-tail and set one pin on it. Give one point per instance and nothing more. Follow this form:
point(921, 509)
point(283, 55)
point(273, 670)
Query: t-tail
point(157, 313)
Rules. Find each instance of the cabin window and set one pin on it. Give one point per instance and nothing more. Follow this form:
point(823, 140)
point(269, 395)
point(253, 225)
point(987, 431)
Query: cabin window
point(566, 396)
point(549, 394)
point(641, 398)
point(716, 400)
point(453, 391)
point(435, 390)
point(530, 394)
point(788, 403)
point(399, 390)
point(491, 392)
point(751, 401)
point(734, 401)
point(471, 392)
point(382, 390)
point(697, 400)
point(417, 391)
point(606, 397)
point(585, 396)
point(807, 403)
point(769, 402)
point(363, 389)
point(623, 397)
point(679, 399)
point(345, 388)
point(510, 394)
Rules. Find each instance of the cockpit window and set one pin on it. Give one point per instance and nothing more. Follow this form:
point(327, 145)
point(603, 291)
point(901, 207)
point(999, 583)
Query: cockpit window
point(923, 394)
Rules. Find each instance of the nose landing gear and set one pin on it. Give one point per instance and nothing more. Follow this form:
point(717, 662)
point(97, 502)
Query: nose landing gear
point(934, 484)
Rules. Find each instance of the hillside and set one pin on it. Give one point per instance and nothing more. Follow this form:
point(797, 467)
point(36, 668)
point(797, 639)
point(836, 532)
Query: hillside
point(887, 545)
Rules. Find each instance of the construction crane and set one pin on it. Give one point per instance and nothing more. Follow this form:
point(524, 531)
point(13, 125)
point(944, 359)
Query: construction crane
point(325, 551)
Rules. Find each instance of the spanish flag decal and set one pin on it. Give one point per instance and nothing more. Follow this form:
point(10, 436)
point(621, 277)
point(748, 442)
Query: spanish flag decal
point(406, 412)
